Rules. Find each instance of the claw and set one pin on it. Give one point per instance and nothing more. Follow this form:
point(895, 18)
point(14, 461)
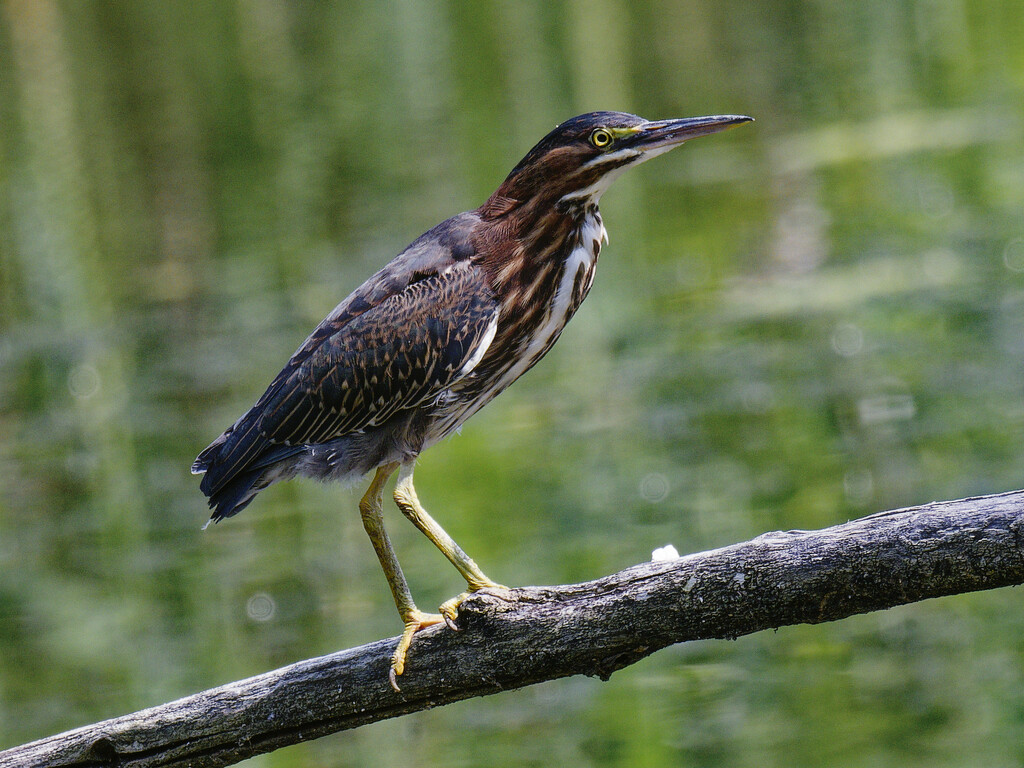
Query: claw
point(449, 609)
point(414, 622)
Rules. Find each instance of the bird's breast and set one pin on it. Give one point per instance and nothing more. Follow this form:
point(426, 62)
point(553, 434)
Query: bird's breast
point(569, 285)
point(528, 324)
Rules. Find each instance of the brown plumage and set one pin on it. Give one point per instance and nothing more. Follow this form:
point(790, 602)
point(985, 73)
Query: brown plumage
point(436, 334)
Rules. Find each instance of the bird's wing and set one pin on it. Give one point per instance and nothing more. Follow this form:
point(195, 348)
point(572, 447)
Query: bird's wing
point(428, 301)
point(400, 353)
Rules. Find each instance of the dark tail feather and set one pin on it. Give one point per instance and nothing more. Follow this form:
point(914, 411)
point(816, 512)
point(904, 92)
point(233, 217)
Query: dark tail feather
point(230, 454)
point(238, 465)
point(236, 495)
point(233, 467)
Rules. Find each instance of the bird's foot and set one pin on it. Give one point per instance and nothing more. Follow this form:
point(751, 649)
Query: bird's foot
point(450, 608)
point(414, 622)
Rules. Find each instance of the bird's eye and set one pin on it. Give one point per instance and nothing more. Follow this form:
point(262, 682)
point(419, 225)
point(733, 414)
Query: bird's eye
point(600, 138)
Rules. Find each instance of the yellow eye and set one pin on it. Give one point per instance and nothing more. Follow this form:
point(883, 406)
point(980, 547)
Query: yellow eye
point(600, 138)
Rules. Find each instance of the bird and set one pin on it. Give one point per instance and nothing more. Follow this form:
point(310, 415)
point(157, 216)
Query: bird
point(426, 342)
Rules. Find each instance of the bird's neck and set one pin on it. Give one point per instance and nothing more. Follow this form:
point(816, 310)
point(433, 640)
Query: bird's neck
point(540, 262)
point(519, 238)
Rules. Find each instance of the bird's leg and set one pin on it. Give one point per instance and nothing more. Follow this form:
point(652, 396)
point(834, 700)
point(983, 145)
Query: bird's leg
point(371, 508)
point(409, 503)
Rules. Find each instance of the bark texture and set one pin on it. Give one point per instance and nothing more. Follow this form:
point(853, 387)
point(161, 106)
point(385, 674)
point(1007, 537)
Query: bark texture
point(533, 634)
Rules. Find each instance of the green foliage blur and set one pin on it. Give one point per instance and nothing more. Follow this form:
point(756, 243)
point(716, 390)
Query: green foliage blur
point(805, 320)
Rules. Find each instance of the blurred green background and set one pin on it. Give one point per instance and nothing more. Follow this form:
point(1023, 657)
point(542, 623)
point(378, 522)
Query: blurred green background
point(806, 320)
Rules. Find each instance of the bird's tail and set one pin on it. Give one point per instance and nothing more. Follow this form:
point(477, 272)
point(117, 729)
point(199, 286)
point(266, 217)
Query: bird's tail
point(238, 465)
point(232, 498)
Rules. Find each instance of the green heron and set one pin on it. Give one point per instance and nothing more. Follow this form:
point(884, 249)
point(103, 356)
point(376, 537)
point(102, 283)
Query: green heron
point(434, 336)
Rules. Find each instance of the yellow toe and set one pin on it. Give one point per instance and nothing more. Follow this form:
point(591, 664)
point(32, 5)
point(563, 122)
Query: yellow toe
point(450, 608)
point(414, 622)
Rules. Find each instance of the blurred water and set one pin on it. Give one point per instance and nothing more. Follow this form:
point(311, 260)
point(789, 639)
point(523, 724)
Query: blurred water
point(811, 318)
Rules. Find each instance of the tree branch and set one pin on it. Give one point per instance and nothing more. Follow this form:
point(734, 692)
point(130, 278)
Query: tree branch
point(534, 634)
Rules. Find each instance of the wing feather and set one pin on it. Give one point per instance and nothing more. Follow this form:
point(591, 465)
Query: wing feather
point(384, 348)
point(397, 355)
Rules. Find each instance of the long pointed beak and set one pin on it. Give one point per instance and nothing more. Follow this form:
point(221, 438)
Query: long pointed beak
point(664, 134)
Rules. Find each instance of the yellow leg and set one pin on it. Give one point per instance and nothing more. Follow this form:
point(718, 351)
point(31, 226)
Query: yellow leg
point(370, 507)
point(409, 503)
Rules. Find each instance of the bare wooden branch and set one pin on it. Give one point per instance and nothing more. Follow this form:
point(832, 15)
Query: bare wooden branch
point(529, 635)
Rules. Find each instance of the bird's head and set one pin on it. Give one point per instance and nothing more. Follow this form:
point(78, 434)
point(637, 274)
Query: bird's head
point(580, 158)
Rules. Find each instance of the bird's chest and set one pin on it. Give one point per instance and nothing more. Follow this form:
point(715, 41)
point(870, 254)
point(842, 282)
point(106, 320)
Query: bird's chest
point(573, 281)
point(533, 313)
point(555, 299)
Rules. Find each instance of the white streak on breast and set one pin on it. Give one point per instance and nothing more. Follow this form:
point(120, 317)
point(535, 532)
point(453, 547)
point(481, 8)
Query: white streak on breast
point(481, 349)
point(582, 257)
